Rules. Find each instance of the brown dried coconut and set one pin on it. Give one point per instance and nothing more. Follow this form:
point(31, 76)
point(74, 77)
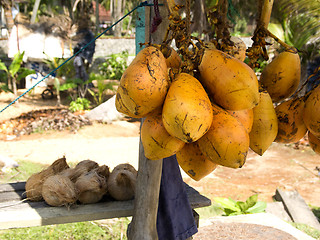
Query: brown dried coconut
point(122, 182)
point(81, 168)
point(34, 183)
point(92, 186)
point(59, 191)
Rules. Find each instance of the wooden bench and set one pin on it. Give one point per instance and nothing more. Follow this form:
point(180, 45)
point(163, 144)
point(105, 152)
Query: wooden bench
point(17, 212)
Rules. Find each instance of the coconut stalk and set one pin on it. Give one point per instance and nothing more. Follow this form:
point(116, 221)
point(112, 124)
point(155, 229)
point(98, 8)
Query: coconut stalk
point(264, 22)
point(266, 13)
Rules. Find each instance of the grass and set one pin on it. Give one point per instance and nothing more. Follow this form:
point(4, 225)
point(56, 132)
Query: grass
point(77, 231)
point(307, 229)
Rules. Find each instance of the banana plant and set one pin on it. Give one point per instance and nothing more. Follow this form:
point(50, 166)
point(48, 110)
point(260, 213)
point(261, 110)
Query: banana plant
point(232, 207)
point(15, 72)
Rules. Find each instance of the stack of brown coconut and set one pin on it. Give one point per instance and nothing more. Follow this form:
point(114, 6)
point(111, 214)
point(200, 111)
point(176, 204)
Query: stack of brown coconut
point(87, 182)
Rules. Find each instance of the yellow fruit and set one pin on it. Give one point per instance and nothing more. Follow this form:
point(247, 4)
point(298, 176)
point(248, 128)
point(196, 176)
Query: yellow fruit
point(231, 83)
point(239, 48)
point(173, 60)
point(245, 117)
point(227, 141)
point(209, 45)
point(193, 162)
point(265, 125)
point(291, 127)
point(144, 84)
point(311, 116)
point(156, 141)
point(120, 105)
point(187, 110)
point(281, 77)
point(314, 142)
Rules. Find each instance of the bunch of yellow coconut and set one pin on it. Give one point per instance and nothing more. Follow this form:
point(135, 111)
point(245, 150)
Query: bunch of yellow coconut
point(216, 117)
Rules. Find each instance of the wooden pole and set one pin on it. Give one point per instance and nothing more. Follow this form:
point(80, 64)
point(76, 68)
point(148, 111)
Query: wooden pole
point(143, 225)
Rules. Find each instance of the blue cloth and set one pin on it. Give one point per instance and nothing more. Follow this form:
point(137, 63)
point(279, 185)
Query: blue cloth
point(315, 80)
point(175, 219)
point(86, 37)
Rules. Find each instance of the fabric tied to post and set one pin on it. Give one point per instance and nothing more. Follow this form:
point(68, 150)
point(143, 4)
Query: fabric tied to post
point(175, 219)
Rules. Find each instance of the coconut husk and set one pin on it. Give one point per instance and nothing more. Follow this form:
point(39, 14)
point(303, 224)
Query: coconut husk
point(91, 187)
point(74, 173)
point(58, 191)
point(87, 164)
point(103, 171)
point(34, 183)
point(122, 182)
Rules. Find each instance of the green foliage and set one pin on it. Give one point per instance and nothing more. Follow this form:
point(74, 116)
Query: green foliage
point(22, 173)
point(211, 211)
point(76, 231)
point(312, 232)
point(70, 83)
point(15, 71)
point(300, 20)
point(66, 70)
point(114, 66)
point(262, 63)
point(79, 104)
point(232, 207)
point(101, 86)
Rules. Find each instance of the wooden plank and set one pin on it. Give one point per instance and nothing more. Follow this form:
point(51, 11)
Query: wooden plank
point(17, 186)
point(297, 208)
point(277, 209)
point(17, 213)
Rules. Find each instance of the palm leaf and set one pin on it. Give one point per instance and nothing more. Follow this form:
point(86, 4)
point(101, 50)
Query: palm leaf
point(302, 18)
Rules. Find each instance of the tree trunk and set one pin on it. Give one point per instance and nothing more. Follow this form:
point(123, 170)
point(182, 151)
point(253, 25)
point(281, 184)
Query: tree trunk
point(117, 14)
point(7, 6)
point(97, 17)
point(14, 87)
point(35, 11)
point(200, 20)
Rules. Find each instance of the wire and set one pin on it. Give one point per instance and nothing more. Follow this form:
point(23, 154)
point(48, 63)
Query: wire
point(142, 4)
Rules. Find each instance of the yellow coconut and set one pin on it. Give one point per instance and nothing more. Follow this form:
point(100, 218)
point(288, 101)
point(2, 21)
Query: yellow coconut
point(156, 141)
point(231, 83)
point(291, 127)
point(265, 124)
point(245, 117)
point(187, 110)
point(193, 162)
point(173, 60)
point(314, 142)
point(239, 48)
point(311, 116)
point(281, 77)
point(227, 141)
point(144, 84)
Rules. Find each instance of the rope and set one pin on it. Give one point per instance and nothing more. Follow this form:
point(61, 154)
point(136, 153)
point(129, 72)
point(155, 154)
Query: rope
point(142, 4)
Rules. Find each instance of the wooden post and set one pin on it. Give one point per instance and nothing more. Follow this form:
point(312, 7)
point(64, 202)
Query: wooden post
point(143, 226)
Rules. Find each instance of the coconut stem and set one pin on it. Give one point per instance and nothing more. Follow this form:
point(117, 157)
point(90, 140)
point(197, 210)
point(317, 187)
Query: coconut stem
point(266, 13)
point(283, 44)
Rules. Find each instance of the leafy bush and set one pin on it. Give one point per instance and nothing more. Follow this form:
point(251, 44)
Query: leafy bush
point(232, 207)
point(79, 104)
point(114, 66)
